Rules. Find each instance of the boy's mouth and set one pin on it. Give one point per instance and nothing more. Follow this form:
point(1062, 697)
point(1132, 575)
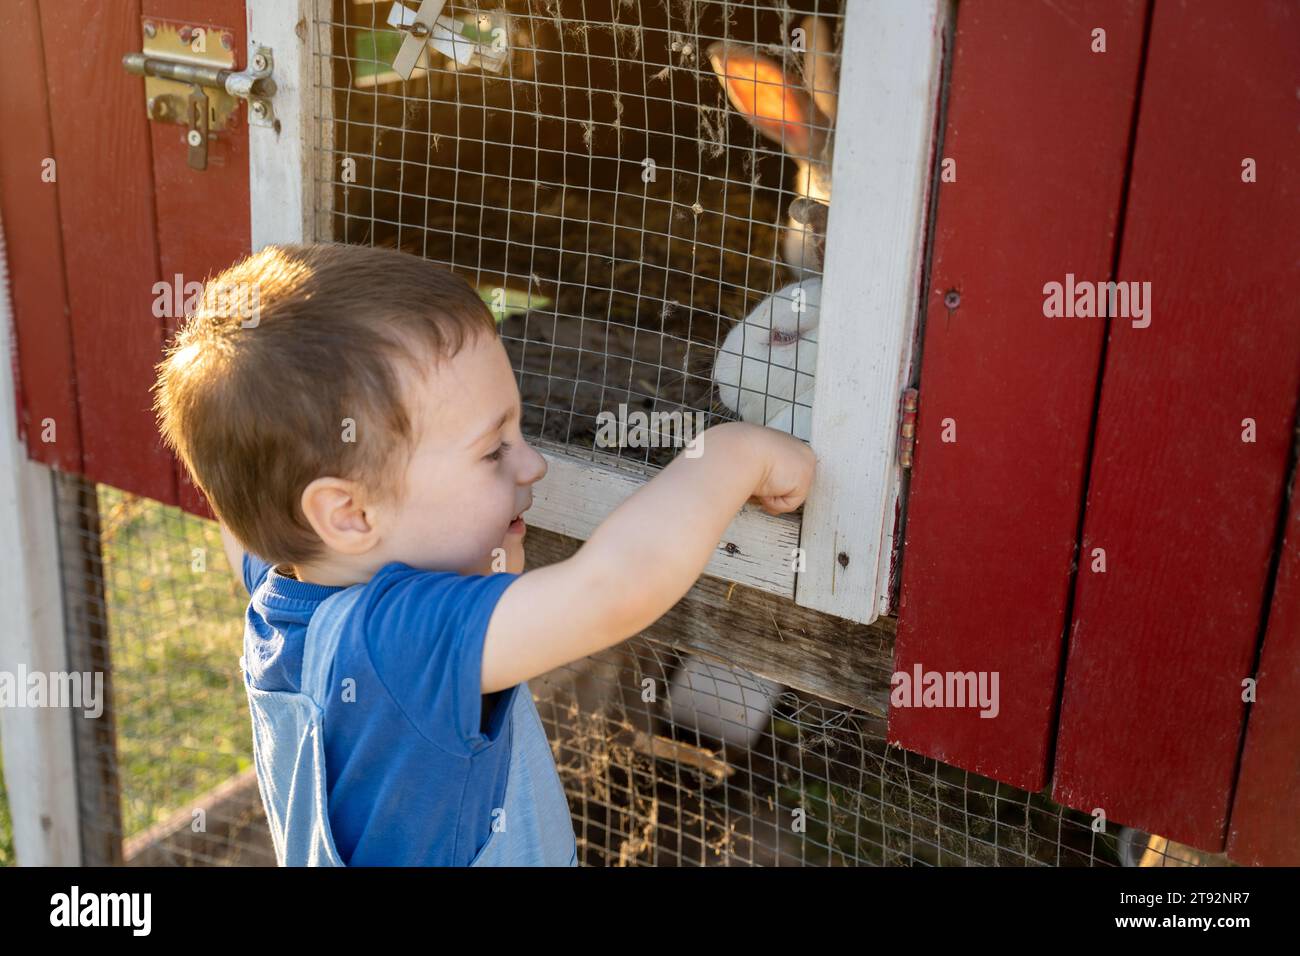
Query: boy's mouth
point(517, 525)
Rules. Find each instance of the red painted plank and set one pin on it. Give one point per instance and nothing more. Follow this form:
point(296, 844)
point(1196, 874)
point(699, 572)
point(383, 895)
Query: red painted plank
point(203, 216)
point(1266, 808)
point(1186, 511)
point(1039, 128)
point(29, 207)
point(106, 208)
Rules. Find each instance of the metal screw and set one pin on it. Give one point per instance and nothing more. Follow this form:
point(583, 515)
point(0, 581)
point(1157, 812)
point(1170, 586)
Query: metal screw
point(227, 41)
point(731, 548)
point(419, 30)
point(843, 559)
point(259, 109)
point(186, 33)
point(952, 299)
point(259, 62)
point(150, 30)
point(194, 137)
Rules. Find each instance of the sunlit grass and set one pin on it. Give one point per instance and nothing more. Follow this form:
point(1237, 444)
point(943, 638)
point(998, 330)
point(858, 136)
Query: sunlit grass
point(6, 826)
point(175, 628)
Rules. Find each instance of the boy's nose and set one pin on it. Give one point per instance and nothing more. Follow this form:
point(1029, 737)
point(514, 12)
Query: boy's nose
point(539, 467)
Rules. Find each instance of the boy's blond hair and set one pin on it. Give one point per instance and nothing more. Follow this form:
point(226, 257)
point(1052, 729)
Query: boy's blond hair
point(288, 346)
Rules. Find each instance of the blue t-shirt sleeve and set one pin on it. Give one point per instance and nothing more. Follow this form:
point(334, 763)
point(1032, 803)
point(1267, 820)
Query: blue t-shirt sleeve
point(255, 569)
point(424, 633)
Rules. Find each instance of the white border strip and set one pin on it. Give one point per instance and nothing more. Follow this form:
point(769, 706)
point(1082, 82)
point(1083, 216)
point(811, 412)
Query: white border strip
point(40, 767)
point(279, 187)
point(889, 89)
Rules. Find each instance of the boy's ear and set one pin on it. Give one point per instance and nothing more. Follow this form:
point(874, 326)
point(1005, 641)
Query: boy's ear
point(335, 509)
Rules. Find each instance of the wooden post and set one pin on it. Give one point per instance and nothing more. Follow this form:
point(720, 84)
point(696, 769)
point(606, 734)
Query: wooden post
point(884, 138)
point(39, 764)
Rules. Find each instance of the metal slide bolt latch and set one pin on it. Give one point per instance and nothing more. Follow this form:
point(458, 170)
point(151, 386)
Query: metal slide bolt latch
point(193, 83)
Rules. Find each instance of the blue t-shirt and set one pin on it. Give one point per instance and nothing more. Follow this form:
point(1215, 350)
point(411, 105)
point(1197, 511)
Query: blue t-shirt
point(416, 757)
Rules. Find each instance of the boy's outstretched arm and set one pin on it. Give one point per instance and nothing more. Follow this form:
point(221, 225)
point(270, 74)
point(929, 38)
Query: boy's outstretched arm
point(645, 556)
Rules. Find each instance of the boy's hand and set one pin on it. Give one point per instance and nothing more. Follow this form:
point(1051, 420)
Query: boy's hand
point(789, 472)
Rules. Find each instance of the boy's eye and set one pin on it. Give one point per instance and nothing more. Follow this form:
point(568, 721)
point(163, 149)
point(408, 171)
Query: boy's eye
point(495, 454)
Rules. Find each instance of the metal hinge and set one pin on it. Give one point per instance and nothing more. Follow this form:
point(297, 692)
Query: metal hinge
point(907, 427)
point(190, 80)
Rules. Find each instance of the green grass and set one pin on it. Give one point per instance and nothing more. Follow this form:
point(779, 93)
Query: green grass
point(175, 621)
point(6, 826)
point(175, 618)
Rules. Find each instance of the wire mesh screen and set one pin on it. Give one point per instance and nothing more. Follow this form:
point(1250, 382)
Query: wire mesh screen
point(713, 772)
point(165, 775)
point(667, 759)
point(639, 191)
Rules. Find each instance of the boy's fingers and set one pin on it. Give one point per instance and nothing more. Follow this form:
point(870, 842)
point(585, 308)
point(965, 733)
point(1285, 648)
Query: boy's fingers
point(781, 504)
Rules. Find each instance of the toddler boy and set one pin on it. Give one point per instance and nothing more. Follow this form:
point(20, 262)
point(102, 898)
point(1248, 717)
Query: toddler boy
point(359, 439)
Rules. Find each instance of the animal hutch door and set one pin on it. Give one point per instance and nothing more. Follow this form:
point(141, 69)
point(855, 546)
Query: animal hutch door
point(677, 213)
point(123, 208)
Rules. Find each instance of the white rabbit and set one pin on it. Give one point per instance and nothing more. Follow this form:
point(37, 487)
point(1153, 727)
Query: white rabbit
point(766, 365)
point(764, 372)
point(718, 703)
point(765, 368)
point(798, 114)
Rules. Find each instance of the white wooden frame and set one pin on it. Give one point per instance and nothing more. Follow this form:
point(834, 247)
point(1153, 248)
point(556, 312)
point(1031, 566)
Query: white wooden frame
point(40, 765)
point(578, 495)
point(875, 242)
point(279, 150)
point(893, 48)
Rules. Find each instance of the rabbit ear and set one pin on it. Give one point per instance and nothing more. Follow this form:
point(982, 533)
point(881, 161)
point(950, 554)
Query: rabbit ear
point(819, 64)
point(774, 102)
